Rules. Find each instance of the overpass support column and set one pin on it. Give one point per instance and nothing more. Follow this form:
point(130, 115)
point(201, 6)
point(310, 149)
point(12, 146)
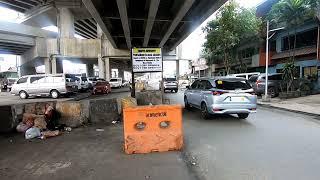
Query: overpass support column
point(65, 23)
point(107, 68)
point(121, 73)
point(90, 70)
point(101, 67)
point(177, 69)
point(47, 66)
point(57, 66)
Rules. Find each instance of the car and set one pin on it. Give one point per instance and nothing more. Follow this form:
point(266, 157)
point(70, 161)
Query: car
point(102, 87)
point(115, 82)
point(274, 81)
point(92, 82)
point(83, 83)
point(244, 75)
point(170, 84)
point(125, 83)
point(52, 85)
point(223, 95)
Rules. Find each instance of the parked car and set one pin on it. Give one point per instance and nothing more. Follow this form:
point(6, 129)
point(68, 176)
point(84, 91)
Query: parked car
point(274, 82)
point(225, 95)
point(102, 87)
point(244, 75)
point(43, 85)
point(92, 82)
point(83, 83)
point(116, 82)
point(170, 84)
point(125, 83)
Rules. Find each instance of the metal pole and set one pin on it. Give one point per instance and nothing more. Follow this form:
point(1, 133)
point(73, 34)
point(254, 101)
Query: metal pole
point(267, 63)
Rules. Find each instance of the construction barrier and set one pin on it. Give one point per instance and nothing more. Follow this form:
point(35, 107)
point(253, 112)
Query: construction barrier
point(152, 128)
point(128, 102)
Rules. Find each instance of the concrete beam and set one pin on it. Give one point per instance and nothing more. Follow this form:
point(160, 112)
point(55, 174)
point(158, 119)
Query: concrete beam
point(124, 20)
point(26, 3)
point(16, 39)
point(82, 31)
point(36, 11)
point(182, 12)
point(197, 23)
point(14, 5)
point(96, 16)
point(89, 30)
point(153, 9)
point(21, 29)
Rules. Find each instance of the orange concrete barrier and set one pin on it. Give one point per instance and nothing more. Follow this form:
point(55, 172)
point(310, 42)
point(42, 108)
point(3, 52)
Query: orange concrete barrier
point(152, 128)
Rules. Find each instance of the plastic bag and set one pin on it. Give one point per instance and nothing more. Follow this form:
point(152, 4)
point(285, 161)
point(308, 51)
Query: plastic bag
point(22, 127)
point(32, 133)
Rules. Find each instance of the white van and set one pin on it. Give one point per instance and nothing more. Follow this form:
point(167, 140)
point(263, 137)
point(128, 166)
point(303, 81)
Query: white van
point(244, 75)
point(52, 85)
point(116, 82)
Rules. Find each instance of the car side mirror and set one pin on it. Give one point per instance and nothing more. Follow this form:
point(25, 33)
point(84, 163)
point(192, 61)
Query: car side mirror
point(188, 87)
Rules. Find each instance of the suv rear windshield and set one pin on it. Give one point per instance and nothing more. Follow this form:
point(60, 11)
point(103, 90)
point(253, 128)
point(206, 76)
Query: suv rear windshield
point(113, 80)
point(84, 79)
point(232, 84)
point(253, 78)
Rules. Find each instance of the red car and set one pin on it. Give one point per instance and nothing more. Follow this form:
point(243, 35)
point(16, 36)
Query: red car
point(101, 87)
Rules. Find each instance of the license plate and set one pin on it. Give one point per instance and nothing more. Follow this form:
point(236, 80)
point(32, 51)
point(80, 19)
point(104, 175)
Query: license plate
point(235, 99)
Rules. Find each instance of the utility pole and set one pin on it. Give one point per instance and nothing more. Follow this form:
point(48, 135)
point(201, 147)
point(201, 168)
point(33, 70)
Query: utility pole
point(267, 55)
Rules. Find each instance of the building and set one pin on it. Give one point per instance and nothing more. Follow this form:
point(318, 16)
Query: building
point(307, 53)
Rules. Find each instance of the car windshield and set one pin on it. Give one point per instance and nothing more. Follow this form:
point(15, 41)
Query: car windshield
point(93, 79)
point(101, 83)
point(113, 80)
point(84, 79)
point(232, 84)
point(170, 79)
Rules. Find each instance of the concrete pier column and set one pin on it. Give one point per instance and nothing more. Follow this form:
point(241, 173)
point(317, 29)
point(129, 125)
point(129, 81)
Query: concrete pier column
point(90, 70)
point(65, 23)
point(107, 68)
point(47, 66)
point(57, 66)
point(177, 69)
point(121, 73)
point(101, 67)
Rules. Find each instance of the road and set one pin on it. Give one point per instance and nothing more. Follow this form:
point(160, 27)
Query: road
point(269, 145)
point(7, 99)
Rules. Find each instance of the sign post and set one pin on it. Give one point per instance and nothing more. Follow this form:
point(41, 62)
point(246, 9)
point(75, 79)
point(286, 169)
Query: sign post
point(145, 60)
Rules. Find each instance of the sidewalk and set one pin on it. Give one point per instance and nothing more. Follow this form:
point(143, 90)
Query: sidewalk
point(307, 105)
point(83, 154)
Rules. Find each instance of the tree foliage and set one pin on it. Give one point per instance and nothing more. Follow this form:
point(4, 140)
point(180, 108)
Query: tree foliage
point(292, 14)
point(232, 25)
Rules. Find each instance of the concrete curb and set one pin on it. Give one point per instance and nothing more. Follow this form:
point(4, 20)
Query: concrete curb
point(289, 110)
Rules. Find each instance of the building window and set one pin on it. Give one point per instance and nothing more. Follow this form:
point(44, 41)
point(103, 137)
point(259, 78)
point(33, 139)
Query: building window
point(309, 72)
point(304, 39)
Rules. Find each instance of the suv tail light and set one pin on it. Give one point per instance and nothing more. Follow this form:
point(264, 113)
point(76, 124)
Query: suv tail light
point(217, 93)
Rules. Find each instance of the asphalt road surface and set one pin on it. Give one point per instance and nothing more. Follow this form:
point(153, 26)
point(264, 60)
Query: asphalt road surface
point(7, 99)
point(268, 145)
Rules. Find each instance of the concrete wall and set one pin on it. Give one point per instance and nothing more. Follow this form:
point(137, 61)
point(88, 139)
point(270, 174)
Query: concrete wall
point(104, 111)
point(84, 48)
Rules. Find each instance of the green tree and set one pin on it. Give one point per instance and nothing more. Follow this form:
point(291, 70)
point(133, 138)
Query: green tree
point(232, 25)
point(292, 14)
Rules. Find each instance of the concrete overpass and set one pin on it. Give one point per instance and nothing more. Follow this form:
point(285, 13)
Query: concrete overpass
point(110, 29)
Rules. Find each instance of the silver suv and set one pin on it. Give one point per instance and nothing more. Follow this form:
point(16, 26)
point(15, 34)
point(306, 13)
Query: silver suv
point(221, 96)
point(258, 84)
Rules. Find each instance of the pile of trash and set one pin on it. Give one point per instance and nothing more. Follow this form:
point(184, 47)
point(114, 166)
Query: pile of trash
point(41, 126)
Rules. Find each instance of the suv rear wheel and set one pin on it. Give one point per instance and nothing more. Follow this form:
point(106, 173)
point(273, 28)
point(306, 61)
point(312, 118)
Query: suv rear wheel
point(272, 92)
point(243, 115)
point(204, 111)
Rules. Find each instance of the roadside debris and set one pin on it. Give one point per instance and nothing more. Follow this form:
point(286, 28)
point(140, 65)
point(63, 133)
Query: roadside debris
point(41, 126)
point(100, 130)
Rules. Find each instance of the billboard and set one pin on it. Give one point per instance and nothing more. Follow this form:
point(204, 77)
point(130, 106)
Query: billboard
point(146, 60)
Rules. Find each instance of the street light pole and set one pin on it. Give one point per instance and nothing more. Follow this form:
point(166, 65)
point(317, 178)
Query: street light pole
point(267, 63)
point(267, 55)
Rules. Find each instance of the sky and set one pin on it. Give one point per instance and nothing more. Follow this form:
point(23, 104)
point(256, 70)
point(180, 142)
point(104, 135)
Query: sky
point(192, 45)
